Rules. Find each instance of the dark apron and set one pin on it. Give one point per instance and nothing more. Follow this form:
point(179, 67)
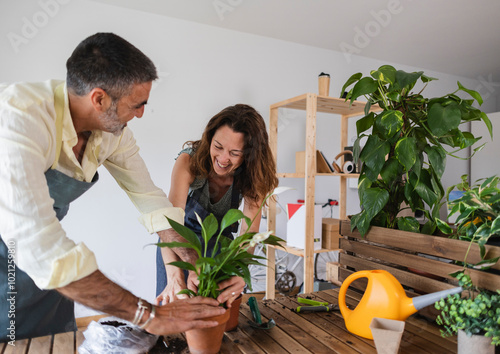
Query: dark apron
point(41, 312)
point(193, 207)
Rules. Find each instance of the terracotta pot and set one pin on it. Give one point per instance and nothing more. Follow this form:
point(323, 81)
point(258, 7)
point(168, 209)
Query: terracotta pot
point(477, 343)
point(207, 340)
point(234, 311)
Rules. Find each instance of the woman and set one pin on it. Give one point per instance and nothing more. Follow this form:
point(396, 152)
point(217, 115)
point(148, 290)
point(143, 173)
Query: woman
point(231, 162)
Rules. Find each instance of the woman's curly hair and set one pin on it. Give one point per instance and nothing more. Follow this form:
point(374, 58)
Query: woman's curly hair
point(256, 177)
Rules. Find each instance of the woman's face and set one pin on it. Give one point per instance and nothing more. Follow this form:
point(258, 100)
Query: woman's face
point(226, 151)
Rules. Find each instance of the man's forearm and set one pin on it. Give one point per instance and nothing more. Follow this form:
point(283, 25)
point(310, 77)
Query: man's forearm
point(99, 293)
point(185, 254)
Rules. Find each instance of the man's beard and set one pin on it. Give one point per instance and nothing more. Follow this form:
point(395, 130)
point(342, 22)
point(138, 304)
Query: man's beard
point(111, 121)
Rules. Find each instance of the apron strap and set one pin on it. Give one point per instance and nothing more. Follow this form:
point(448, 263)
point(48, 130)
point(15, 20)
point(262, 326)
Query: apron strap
point(59, 107)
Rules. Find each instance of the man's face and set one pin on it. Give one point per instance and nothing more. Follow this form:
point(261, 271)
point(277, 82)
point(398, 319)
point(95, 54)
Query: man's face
point(120, 112)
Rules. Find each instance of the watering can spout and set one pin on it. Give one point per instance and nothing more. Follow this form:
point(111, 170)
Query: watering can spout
point(420, 302)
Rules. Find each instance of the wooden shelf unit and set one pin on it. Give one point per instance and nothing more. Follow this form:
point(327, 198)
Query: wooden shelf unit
point(310, 103)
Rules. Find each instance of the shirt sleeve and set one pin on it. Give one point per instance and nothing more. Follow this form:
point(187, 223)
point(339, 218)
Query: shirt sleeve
point(28, 221)
point(129, 170)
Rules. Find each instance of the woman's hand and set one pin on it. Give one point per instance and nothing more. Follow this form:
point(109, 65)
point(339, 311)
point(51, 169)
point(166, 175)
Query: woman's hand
point(169, 294)
point(231, 289)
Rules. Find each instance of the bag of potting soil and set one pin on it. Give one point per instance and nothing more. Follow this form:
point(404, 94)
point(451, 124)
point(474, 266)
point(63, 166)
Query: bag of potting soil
point(116, 336)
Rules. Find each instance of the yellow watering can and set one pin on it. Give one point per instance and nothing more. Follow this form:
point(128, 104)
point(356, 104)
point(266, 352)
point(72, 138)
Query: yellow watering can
point(384, 297)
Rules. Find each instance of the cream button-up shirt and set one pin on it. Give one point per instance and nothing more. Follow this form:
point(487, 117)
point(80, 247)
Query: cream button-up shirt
point(28, 148)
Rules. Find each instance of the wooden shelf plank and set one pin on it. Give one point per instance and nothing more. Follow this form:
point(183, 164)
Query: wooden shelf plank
point(299, 251)
point(326, 105)
point(302, 175)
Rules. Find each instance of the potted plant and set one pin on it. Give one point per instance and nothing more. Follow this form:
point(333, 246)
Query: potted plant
point(229, 258)
point(475, 317)
point(477, 314)
point(404, 156)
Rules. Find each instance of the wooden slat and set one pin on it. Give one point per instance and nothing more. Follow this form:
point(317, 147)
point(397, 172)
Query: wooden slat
point(427, 244)
point(41, 345)
point(332, 324)
point(64, 343)
point(292, 327)
point(79, 339)
point(19, 347)
point(412, 280)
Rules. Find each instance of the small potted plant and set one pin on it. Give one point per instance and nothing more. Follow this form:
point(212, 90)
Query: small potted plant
point(475, 317)
point(404, 157)
point(229, 258)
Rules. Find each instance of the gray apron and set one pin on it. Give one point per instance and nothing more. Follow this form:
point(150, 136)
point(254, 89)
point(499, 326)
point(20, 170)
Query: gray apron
point(39, 312)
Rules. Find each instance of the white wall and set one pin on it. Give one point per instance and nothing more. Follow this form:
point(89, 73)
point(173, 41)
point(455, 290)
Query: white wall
point(202, 70)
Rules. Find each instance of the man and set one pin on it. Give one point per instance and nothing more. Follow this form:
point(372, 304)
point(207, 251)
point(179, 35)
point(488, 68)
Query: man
point(53, 136)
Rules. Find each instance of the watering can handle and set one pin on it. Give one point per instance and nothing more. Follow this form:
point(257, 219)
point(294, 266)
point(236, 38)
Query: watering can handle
point(345, 285)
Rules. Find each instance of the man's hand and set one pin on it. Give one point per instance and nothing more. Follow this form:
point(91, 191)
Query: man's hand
point(183, 315)
point(98, 292)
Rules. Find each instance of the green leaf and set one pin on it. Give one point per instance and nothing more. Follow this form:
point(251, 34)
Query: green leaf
point(374, 200)
point(354, 78)
point(205, 260)
point(408, 223)
point(175, 244)
point(365, 86)
point(385, 74)
point(442, 119)
point(209, 227)
point(373, 156)
point(365, 123)
point(189, 292)
point(407, 80)
point(187, 233)
point(391, 170)
point(437, 159)
point(405, 151)
point(183, 265)
point(389, 122)
point(423, 187)
point(473, 93)
point(232, 216)
point(444, 227)
point(487, 121)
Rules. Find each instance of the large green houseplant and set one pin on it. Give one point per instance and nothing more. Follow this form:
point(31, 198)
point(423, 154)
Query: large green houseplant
point(404, 156)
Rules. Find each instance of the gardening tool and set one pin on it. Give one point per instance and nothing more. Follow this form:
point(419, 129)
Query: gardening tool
point(257, 319)
point(384, 297)
point(316, 306)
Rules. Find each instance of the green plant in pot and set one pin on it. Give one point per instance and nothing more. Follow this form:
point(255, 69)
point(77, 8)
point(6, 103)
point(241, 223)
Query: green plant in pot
point(228, 258)
point(476, 313)
point(404, 157)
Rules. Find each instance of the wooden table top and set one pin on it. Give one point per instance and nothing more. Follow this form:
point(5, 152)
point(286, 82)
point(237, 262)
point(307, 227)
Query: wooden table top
point(320, 332)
